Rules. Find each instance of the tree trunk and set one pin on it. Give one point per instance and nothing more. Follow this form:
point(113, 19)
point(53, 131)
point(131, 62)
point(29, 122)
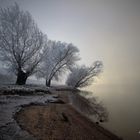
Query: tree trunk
point(48, 83)
point(21, 78)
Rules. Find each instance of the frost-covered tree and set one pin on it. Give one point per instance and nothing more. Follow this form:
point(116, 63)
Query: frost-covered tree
point(21, 42)
point(59, 57)
point(82, 76)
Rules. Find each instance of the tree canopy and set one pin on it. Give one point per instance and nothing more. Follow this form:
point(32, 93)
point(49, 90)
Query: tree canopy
point(59, 57)
point(25, 50)
point(21, 42)
point(82, 76)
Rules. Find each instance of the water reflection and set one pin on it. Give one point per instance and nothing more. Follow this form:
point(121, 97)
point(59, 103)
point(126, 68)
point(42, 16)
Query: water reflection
point(122, 103)
point(89, 106)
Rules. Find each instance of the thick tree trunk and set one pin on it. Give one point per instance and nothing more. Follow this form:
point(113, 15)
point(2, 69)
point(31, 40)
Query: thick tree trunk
point(21, 78)
point(48, 83)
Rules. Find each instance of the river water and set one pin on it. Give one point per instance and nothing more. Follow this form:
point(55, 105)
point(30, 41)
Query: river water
point(123, 105)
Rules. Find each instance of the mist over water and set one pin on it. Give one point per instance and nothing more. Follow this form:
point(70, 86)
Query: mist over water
point(102, 30)
point(123, 105)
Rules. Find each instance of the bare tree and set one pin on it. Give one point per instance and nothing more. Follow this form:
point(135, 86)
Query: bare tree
point(82, 76)
point(59, 58)
point(21, 42)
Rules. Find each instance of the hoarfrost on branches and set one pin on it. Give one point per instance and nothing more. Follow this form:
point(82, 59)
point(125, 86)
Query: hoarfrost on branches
point(59, 57)
point(82, 76)
point(21, 42)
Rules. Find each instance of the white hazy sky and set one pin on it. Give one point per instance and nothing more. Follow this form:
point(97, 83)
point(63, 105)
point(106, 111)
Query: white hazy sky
point(107, 30)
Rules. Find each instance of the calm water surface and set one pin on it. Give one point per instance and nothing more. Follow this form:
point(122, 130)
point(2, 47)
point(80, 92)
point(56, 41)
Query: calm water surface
point(123, 104)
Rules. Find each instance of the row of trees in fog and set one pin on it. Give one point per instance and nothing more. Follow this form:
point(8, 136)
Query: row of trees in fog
point(25, 50)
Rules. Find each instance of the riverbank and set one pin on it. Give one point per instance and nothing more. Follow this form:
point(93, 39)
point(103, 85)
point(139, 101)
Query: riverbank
point(60, 122)
point(46, 115)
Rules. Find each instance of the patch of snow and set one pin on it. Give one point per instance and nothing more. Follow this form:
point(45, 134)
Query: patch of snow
point(9, 105)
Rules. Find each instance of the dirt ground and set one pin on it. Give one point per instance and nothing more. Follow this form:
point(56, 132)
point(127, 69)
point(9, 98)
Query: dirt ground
point(60, 122)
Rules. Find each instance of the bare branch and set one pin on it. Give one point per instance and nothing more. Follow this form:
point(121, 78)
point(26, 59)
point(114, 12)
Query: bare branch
point(82, 76)
point(21, 41)
point(59, 58)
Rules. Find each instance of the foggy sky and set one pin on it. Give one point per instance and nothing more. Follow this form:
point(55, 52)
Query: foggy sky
point(107, 30)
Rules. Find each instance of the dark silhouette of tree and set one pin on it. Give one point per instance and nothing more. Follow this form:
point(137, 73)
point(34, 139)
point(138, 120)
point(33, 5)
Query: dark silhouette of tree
point(21, 42)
